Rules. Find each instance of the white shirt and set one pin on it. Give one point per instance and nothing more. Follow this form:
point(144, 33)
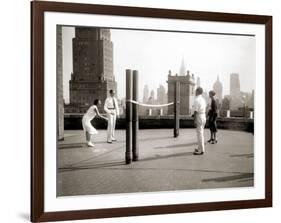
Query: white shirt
point(199, 105)
point(109, 105)
point(90, 114)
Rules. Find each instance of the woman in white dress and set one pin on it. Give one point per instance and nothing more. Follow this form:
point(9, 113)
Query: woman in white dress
point(86, 121)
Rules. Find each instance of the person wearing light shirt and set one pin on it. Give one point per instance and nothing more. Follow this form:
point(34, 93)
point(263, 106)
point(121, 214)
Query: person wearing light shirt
point(199, 120)
point(112, 112)
point(89, 129)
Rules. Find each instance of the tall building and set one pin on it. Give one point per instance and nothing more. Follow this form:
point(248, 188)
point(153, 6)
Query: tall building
point(145, 94)
point(234, 84)
point(60, 122)
point(92, 75)
point(161, 95)
point(217, 87)
point(162, 99)
point(151, 98)
point(235, 96)
point(187, 92)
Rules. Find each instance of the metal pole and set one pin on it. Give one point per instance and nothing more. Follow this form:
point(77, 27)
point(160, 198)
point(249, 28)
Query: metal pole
point(176, 109)
point(135, 124)
point(128, 116)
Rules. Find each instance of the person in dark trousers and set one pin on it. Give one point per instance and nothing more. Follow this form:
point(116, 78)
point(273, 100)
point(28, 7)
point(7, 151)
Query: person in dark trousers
point(213, 114)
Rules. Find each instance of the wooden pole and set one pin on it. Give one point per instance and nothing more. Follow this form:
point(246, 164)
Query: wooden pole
point(128, 116)
point(135, 124)
point(176, 109)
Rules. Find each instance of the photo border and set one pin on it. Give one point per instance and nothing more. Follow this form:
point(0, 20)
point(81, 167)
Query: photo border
point(37, 109)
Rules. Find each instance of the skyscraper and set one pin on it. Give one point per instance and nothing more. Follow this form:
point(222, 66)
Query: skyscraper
point(217, 87)
point(92, 75)
point(234, 84)
point(152, 97)
point(162, 98)
point(161, 95)
point(235, 96)
point(145, 94)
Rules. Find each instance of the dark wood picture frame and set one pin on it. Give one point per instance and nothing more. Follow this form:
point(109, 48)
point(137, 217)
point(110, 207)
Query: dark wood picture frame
point(37, 110)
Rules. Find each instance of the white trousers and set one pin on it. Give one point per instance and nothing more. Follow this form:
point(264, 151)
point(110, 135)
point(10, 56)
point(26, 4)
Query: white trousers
point(111, 126)
point(200, 124)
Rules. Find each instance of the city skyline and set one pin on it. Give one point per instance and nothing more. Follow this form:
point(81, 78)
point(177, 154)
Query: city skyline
point(146, 52)
point(217, 86)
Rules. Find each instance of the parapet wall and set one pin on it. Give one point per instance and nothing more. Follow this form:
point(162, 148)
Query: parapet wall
point(73, 122)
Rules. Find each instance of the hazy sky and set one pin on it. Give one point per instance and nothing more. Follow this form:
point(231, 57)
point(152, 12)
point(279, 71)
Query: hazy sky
point(154, 53)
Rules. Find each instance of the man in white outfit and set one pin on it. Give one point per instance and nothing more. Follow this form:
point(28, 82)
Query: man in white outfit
point(112, 111)
point(199, 120)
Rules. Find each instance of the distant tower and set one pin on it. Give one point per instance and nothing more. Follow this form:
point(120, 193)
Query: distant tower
point(235, 102)
point(217, 87)
point(161, 95)
point(187, 92)
point(162, 98)
point(92, 76)
point(234, 84)
point(145, 94)
point(182, 71)
point(152, 97)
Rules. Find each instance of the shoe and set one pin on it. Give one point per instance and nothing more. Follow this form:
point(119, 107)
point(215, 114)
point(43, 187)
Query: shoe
point(210, 140)
point(90, 144)
point(214, 142)
point(113, 139)
point(109, 142)
point(198, 153)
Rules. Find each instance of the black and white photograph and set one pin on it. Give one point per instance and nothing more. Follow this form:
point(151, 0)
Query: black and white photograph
point(154, 110)
point(146, 111)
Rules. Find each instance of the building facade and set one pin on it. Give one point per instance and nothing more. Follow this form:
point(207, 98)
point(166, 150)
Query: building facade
point(60, 101)
point(93, 75)
point(187, 92)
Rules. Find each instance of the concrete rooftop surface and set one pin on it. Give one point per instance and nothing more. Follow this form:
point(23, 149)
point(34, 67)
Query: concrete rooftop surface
point(165, 163)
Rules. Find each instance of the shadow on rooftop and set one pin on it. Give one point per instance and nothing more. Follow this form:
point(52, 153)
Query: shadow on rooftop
point(242, 176)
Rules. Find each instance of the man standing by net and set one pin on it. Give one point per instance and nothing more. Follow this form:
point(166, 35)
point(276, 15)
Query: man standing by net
point(112, 112)
point(199, 120)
